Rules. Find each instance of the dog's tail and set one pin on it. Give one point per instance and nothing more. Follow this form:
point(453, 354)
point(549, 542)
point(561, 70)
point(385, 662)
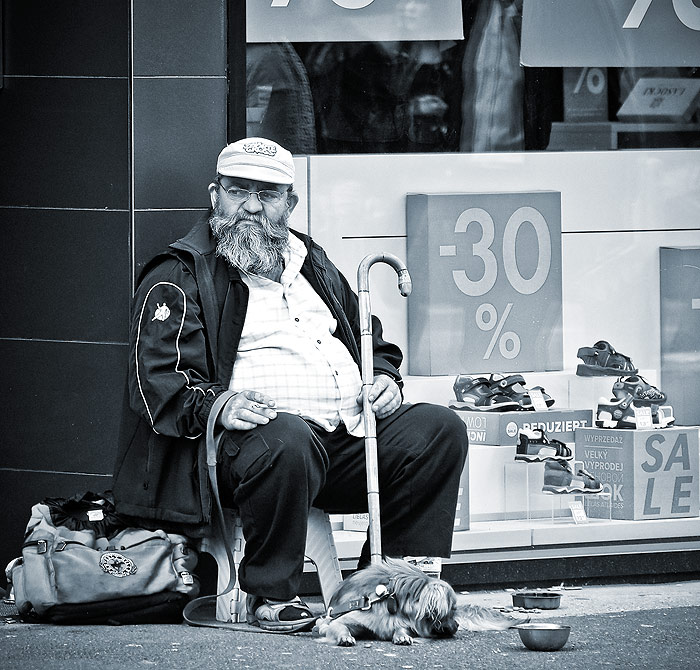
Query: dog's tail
point(477, 618)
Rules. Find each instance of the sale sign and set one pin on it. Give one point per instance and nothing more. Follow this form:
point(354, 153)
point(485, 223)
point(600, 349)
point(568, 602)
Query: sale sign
point(487, 282)
point(615, 33)
point(648, 473)
point(352, 20)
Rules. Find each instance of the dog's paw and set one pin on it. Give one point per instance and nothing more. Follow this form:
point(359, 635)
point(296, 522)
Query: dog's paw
point(346, 640)
point(402, 638)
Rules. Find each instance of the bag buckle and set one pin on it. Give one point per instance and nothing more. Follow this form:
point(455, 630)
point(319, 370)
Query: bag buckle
point(187, 578)
point(42, 546)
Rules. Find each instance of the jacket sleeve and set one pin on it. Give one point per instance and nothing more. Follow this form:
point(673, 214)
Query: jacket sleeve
point(171, 383)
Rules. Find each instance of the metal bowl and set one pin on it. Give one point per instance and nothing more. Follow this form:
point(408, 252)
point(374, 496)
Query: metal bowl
point(544, 600)
point(543, 636)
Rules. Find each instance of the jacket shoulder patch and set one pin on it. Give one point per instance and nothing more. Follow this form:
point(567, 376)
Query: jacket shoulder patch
point(162, 312)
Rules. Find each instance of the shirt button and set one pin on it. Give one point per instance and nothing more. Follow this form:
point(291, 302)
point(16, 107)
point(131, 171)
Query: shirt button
point(296, 318)
point(318, 341)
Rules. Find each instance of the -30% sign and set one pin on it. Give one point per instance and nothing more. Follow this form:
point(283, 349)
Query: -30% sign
point(488, 253)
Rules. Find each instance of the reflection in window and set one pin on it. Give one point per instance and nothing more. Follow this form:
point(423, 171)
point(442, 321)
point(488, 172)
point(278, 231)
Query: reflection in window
point(470, 95)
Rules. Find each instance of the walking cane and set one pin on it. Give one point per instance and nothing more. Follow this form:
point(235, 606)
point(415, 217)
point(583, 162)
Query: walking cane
point(367, 355)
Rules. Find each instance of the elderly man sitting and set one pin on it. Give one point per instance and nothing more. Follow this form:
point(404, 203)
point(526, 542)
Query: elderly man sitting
point(244, 303)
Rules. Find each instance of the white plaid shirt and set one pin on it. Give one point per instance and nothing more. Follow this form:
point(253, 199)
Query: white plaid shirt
point(288, 351)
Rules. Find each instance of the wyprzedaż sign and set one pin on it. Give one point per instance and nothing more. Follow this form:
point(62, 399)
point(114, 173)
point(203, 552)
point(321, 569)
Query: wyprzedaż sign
point(352, 20)
point(611, 33)
point(486, 271)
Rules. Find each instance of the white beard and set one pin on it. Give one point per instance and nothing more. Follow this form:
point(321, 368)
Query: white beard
point(250, 242)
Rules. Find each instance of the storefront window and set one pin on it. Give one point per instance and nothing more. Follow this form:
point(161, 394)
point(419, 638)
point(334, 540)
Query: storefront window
point(456, 95)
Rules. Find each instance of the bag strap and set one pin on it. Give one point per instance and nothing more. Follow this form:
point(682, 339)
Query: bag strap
point(214, 434)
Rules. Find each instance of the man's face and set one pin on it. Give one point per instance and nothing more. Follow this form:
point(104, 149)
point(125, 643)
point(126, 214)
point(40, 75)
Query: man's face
point(233, 205)
point(251, 228)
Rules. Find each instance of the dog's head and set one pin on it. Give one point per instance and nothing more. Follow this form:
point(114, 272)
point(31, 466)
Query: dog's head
point(430, 604)
point(436, 609)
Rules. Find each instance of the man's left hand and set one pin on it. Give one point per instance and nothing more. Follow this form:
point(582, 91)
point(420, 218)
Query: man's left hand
point(384, 395)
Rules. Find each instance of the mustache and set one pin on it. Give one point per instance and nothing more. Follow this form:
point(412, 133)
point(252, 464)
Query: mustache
point(222, 224)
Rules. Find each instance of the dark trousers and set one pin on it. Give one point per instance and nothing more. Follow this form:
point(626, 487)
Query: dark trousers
point(276, 472)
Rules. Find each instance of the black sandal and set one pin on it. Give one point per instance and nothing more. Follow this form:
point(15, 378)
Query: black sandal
point(279, 617)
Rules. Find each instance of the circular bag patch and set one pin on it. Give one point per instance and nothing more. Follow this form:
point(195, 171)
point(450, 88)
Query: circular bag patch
point(116, 564)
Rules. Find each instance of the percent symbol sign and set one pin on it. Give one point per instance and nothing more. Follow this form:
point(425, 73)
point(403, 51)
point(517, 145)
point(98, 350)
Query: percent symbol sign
point(487, 319)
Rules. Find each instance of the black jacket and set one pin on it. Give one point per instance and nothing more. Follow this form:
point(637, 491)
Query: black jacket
point(187, 318)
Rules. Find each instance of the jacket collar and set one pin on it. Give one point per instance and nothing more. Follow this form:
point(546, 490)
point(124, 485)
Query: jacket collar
point(199, 239)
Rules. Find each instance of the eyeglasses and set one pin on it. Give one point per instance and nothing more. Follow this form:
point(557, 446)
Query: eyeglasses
point(241, 195)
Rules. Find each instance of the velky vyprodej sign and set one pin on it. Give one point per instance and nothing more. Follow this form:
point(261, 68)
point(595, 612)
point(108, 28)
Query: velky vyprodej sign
point(611, 33)
point(352, 20)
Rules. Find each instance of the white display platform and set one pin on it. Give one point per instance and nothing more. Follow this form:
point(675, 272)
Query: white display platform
point(531, 539)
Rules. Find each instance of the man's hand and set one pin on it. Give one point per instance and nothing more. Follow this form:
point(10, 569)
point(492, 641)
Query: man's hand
point(246, 410)
point(384, 395)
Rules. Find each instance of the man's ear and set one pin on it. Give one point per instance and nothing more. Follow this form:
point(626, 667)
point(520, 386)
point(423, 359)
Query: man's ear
point(213, 194)
point(292, 200)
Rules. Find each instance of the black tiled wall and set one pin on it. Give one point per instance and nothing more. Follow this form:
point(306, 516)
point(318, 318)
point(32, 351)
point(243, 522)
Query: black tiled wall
point(179, 92)
point(107, 143)
point(174, 161)
point(66, 400)
point(66, 276)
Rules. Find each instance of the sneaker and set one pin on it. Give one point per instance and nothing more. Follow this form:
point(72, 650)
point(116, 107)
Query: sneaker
point(639, 388)
point(559, 478)
point(430, 565)
point(533, 446)
point(476, 393)
point(602, 360)
point(619, 413)
point(513, 386)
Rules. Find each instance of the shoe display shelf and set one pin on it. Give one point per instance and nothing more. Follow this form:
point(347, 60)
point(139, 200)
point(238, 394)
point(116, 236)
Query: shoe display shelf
point(509, 517)
point(524, 488)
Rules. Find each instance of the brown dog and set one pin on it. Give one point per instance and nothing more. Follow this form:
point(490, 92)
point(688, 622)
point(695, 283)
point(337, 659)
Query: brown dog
point(397, 601)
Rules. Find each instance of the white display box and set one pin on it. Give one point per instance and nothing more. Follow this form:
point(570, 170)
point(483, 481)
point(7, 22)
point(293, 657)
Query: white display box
point(651, 474)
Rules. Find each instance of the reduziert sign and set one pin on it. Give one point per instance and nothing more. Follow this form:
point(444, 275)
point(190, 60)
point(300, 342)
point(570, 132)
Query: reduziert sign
point(352, 20)
point(611, 33)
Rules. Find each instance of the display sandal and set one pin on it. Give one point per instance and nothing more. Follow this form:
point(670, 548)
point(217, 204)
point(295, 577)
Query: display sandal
point(534, 446)
point(619, 413)
point(639, 388)
point(513, 386)
point(279, 617)
point(476, 393)
point(602, 360)
point(559, 478)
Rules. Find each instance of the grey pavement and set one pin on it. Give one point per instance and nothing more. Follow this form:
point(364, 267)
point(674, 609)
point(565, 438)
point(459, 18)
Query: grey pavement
point(617, 626)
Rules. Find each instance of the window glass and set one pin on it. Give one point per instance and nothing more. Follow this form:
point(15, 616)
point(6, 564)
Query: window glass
point(469, 95)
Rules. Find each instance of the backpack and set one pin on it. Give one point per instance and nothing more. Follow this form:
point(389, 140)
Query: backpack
point(93, 570)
